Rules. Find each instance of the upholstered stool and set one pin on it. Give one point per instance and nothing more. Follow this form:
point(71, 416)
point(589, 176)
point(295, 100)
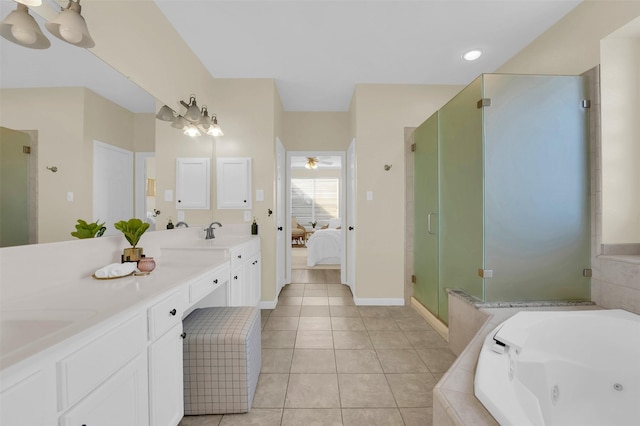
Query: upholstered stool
point(222, 360)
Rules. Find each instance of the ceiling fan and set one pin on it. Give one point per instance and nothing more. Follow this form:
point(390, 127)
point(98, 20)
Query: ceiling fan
point(312, 162)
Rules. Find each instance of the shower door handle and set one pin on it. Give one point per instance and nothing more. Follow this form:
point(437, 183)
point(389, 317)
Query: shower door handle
point(429, 224)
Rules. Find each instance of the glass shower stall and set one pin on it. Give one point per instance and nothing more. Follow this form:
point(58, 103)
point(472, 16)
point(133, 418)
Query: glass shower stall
point(502, 193)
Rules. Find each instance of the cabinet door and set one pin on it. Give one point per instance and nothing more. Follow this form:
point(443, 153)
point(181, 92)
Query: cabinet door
point(253, 283)
point(193, 187)
point(121, 400)
point(236, 283)
point(233, 183)
point(166, 404)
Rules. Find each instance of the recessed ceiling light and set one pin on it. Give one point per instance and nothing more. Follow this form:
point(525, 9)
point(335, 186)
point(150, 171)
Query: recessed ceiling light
point(472, 55)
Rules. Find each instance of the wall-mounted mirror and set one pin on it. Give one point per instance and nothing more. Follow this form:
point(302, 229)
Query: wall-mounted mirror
point(64, 98)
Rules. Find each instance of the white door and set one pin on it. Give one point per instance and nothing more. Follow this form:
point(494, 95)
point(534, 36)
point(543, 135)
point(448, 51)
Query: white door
point(112, 185)
point(351, 216)
point(141, 190)
point(280, 215)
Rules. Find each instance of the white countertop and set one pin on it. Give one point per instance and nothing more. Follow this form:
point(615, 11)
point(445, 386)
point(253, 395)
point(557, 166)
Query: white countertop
point(31, 324)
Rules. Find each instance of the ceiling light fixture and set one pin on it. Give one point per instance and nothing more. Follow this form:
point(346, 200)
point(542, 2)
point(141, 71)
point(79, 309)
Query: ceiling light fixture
point(312, 163)
point(19, 27)
point(194, 122)
point(70, 26)
point(472, 55)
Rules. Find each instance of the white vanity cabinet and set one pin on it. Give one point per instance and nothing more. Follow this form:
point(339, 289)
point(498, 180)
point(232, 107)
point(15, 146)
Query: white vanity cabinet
point(166, 402)
point(106, 378)
point(121, 400)
point(165, 359)
point(245, 279)
point(193, 183)
point(233, 182)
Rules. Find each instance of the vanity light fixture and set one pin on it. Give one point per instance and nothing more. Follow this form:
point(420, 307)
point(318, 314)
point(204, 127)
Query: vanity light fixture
point(19, 27)
point(29, 2)
point(472, 55)
point(194, 122)
point(70, 26)
point(166, 114)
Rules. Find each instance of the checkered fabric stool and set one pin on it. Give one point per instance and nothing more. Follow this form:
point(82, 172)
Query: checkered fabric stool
point(222, 360)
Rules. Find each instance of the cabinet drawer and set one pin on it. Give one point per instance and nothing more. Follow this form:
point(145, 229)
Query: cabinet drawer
point(203, 286)
point(166, 313)
point(86, 368)
point(238, 256)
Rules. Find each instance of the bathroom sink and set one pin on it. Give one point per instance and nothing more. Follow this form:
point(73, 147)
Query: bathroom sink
point(222, 242)
point(21, 327)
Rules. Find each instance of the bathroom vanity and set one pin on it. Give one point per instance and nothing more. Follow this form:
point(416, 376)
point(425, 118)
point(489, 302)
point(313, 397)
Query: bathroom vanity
point(76, 350)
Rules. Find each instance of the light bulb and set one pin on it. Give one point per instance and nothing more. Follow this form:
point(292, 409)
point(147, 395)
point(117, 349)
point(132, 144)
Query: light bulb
point(70, 34)
point(23, 35)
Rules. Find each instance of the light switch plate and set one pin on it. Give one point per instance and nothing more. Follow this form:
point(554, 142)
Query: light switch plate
point(247, 215)
point(168, 195)
point(180, 216)
point(369, 195)
point(259, 194)
point(69, 196)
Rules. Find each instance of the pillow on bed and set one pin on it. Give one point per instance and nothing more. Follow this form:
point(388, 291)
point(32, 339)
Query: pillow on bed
point(334, 223)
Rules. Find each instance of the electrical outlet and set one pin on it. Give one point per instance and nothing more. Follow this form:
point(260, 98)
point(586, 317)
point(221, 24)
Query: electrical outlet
point(247, 215)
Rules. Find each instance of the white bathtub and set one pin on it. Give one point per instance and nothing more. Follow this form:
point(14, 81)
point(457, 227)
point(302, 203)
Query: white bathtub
point(562, 368)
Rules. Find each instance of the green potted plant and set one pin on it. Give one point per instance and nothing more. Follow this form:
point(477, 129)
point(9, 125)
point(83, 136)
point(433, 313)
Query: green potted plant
point(132, 230)
point(88, 230)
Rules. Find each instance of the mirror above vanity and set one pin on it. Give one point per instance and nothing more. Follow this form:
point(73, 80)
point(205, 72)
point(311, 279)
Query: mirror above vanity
point(59, 100)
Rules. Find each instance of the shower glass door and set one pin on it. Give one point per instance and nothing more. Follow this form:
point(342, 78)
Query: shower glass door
point(425, 235)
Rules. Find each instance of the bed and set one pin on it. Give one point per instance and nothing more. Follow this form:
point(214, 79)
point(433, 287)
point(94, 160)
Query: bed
point(324, 247)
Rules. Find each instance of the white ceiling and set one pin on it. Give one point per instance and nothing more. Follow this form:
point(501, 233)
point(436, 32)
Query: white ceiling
point(315, 50)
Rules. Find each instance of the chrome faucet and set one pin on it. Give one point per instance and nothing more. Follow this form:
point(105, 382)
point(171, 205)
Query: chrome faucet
point(210, 229)
point(179, 224)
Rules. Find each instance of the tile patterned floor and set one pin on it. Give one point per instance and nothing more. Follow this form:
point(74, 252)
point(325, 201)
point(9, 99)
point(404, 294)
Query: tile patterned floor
point(326, 361)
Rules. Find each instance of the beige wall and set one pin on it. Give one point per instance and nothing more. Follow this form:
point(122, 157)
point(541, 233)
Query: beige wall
point(620, 79)
point(382, 113)
point(316, 131)
point(572, 45)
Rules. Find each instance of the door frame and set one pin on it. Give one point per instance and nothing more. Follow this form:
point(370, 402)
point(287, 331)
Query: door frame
point(342, 209)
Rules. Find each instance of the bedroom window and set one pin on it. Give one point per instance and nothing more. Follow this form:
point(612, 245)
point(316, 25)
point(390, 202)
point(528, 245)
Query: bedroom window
point(315, 200)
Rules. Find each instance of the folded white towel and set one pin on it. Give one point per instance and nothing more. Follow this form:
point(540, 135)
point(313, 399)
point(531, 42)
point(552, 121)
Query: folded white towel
point(122, 269)
point(116, 270)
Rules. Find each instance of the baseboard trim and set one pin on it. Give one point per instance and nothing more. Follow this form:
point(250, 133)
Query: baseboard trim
point(268, 304)
point(434, 321)
point(374, 301)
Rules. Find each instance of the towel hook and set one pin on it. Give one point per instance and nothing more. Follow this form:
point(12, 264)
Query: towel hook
point(387, 167)
point(53, 168)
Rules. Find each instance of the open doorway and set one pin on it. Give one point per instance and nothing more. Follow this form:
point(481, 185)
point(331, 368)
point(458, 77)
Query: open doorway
point(316, 206)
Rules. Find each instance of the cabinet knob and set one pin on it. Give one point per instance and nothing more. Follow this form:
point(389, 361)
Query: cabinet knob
point(351, 228)
point(173, 312)
point(235, 277)
point(239, 256)
point(215, 281)
point(244, 201)
point(179, 201)
point(183, 335)
point(279, 228)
